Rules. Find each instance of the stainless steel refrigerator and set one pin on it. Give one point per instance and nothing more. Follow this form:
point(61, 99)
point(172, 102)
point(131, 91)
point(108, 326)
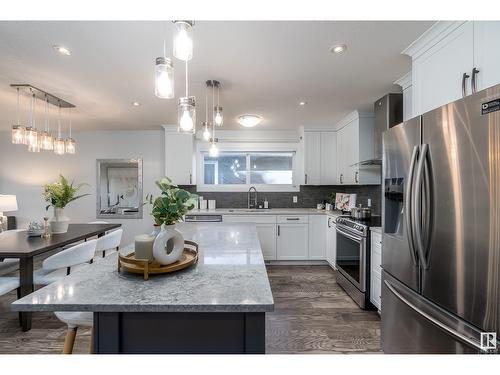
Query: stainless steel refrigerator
point(441, 229)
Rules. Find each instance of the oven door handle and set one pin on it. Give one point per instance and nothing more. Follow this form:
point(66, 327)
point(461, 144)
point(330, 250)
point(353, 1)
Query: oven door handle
point(351, 236)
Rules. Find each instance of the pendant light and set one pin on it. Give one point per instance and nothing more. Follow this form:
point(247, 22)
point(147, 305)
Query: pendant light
point(46, 140)
point(218, 119)
point(206, 132)
point(214, 150)
point(186, 112)
point(70, 142)
point(183, 40)
point(32, 133)
point(18, 131)
point(59, 146)
point(164, 76)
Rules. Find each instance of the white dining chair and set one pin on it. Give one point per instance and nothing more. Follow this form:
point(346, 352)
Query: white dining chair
point(109, 243)
point(8, 284)
point(9, 265)
point(59, 265)
point(75, 320)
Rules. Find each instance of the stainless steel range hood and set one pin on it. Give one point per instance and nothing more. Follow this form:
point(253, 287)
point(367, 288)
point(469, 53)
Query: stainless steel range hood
point(388, 113)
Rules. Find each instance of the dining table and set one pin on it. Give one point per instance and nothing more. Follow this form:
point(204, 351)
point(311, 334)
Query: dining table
point(17, 244)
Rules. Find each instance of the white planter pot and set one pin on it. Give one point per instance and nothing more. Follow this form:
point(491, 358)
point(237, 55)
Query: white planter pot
point(59, 223)
point(168, 245)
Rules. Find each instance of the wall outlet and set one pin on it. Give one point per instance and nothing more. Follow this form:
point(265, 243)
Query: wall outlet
point(294, 199)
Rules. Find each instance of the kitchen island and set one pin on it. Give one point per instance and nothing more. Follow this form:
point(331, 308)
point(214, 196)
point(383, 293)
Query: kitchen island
point(216, 306)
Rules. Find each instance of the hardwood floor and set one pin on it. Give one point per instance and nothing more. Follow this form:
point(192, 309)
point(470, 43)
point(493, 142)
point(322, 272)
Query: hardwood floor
point(312, 315)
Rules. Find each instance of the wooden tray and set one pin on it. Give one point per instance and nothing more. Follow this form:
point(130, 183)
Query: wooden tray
point(146, 267)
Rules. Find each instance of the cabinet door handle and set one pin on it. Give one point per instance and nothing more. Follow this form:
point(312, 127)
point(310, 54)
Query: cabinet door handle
point(190, 178)
point(473, 80)
point(278, 230)
point(464, 88)
point(305, 178)
point(356, 177)
point(341, 175)
point(292, 218)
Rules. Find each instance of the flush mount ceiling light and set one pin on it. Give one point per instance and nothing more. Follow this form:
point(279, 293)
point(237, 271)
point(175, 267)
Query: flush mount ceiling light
point(302, 103)
point(62, 50)
point(338, 48)
point(249, 121)
point(183, 40)
point(136, 104)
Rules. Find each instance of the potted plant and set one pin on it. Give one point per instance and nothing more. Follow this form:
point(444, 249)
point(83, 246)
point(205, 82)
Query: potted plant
point(168, 209)
point(59, 195)
point(331, 201)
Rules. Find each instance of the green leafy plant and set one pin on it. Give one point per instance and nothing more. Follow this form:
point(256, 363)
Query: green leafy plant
point(172, 204)
point(331, 198)
point(60, 194)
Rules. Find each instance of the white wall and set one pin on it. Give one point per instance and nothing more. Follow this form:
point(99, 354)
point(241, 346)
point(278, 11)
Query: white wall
point(23, 173)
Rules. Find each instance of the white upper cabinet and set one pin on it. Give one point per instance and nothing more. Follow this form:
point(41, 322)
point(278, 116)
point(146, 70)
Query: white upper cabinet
point(312, 157)
point(320, 152)
point(449, 58)
point(406, 86)
point(179, 156)
point(354, 145)
point(487, 53)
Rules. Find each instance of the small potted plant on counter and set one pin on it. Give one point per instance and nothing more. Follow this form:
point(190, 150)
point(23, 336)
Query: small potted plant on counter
point(168, 209)
point(59, 195)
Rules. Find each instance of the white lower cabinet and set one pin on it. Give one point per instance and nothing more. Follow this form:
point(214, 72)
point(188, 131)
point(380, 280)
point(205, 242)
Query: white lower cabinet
point(331, 242)
point(292, 241)
point(267, 238)
point(376, 269)
point(317, 237)
point(266, 229)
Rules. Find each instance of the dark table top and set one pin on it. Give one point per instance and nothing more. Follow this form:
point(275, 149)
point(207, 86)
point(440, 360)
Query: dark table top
point(15, 244)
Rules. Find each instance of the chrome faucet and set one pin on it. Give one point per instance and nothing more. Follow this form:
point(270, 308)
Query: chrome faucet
point(249, 197)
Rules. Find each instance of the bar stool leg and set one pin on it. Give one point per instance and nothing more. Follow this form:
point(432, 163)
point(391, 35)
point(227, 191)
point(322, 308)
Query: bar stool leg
point(69, 341)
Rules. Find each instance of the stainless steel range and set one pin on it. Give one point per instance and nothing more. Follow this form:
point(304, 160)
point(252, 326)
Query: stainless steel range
point(353, 257)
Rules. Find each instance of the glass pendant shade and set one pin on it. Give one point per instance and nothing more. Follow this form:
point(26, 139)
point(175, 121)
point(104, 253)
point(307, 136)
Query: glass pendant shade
point(164, 78)
point(35, 147)
point(206, 132)
point(218, 119)
point(187, 114)
point(31, 137)
point(18, 135)
point(214, 150)
point(46, 141)
point(70, 146)
point(59, 146)
point(183, 40)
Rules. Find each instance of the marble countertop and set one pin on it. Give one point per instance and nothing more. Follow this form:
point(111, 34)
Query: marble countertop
point(270, 211)
point(230, 276)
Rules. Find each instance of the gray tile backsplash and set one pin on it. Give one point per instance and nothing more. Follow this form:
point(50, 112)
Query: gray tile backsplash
point(307, 197)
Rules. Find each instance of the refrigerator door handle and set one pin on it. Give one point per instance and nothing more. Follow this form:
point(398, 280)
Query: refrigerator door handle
point(468, 337)
point(417, 222)
point(408, 204)
point(428, 209)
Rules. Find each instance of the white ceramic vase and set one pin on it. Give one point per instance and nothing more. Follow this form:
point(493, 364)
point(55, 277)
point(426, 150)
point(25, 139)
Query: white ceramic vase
point(168, 245)
point(59, 223)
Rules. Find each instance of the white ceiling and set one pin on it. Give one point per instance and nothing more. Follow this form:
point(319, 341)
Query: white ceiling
point(264, 67)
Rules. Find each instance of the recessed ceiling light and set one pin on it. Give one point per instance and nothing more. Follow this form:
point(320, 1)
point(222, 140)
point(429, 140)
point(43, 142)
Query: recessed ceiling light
point(62, 50)
point(136, 104)
point(249, 121)
point(338, 48)
point(302, 103)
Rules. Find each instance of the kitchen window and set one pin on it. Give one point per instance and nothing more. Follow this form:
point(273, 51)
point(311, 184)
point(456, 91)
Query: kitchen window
point(237, 171)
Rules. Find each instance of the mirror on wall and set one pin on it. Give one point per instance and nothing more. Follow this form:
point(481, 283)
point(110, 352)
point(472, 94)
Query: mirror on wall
point(119, 188)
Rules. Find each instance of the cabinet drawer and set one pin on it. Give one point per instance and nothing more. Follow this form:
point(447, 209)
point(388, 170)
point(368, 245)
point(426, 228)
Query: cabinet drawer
point(257, 219)
point(375, 291)
point(293, 219)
